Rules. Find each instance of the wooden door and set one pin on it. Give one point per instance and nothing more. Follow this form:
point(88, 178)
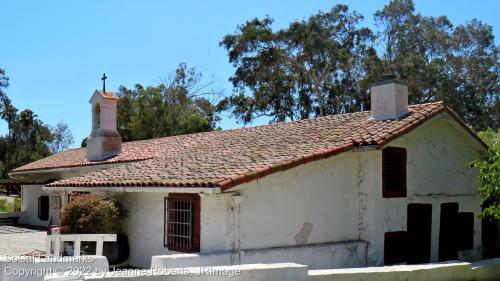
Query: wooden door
point(419, 233)
point(448, 249)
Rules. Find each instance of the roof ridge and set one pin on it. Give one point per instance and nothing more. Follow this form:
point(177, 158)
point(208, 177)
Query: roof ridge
point(278, 123)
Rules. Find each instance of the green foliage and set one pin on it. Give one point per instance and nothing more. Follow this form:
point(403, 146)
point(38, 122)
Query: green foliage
point(28, 138)
point(313, 67)
point(182, 105)
point(14, 206)
point(4, 206)
point(90, 213)
point(324, 65)
point(17, 205)
point(489, 175)
point(459, 65)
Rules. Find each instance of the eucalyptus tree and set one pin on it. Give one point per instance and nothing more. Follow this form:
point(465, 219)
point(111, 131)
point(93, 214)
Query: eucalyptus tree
point(311, 68)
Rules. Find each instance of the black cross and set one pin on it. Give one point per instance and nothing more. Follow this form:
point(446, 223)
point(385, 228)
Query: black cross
point(104, 77)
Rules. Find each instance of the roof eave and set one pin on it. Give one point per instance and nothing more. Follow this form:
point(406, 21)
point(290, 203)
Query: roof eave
point(126, 189)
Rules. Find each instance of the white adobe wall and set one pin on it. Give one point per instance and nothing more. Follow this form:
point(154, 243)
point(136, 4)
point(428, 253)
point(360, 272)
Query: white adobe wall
point(30, 195)
point(145, 225)
point(286, 209)
point(437, 154)
point(309, 204)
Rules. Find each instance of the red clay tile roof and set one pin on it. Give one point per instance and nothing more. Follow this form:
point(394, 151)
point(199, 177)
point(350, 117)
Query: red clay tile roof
point(227, 158)
point(132, 151)
point(23, 182)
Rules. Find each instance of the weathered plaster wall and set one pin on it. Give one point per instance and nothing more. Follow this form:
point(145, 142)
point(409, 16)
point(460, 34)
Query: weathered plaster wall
point(437, 154)
point(145, 225)
point(310, 204)
point(29, 195)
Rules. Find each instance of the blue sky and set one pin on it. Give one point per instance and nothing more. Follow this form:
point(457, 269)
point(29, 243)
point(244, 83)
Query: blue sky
point(56, 51)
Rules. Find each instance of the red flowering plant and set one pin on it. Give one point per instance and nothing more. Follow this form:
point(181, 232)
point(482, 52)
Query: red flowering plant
point(91, 213)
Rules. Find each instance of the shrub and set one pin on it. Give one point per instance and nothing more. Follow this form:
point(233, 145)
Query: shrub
point(90, 213)
point(17, 205)
point(489, 175)
point(4, 206)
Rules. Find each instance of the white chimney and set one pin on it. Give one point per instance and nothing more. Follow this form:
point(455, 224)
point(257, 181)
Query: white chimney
point(389, 99)
point(104, 141)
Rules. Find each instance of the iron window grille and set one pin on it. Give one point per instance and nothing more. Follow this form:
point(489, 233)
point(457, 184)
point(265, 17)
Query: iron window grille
point(182, 222)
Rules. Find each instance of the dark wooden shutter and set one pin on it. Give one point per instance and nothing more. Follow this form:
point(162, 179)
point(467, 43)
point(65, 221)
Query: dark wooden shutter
point(419, 226)
point(456, 231)
point(43, 208)
point(447, 232)
point(395, 247)
point(393, 172)
point(465, 231)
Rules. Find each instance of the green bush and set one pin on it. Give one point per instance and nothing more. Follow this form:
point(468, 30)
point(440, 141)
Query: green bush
point(17, 205)
point(489, 175)
point(90, 213)
point(6, 206)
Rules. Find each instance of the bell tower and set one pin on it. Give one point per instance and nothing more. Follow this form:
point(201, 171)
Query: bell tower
point(104, 141)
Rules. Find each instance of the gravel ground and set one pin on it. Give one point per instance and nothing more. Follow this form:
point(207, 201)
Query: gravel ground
point(16, 240)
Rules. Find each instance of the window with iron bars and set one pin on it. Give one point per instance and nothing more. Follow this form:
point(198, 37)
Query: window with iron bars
point(182, 222)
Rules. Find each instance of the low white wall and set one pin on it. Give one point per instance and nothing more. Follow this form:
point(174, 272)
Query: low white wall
point(486, 270)
point(12, 215)
point(248, 272)
point(28, 268)
point(332, 255)
point(194, 260)
point(450, 271)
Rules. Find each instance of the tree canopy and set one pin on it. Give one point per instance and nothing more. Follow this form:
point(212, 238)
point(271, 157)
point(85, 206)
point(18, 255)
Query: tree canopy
point(324, 65)
point(184, 104)
point(459, 65)
point(28, 138)
point(313, 67)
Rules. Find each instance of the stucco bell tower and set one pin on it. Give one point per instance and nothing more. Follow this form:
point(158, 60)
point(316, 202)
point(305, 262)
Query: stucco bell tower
point(104, 141)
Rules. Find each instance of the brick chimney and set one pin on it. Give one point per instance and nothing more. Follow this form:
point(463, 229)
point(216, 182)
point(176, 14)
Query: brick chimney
point(104, 141)
point(389, 98)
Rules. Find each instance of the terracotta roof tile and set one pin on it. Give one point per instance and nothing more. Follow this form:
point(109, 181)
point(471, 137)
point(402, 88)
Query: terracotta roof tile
point(231, 157)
